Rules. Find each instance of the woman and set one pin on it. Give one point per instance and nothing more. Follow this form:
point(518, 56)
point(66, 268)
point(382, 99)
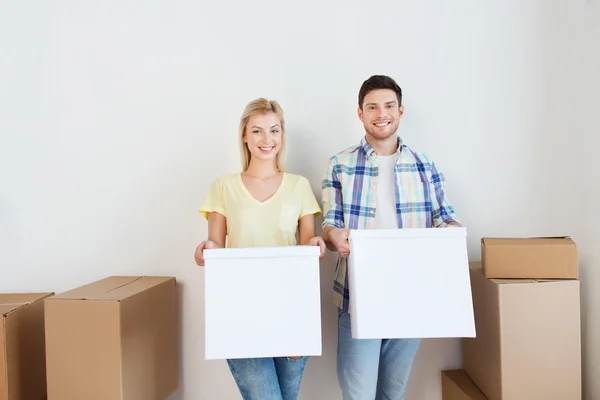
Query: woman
point(262, 206)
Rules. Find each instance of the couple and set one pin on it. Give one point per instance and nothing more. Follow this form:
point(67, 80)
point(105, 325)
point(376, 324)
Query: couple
point(380, 184)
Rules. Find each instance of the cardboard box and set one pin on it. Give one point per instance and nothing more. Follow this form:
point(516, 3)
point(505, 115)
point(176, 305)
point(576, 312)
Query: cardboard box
point(262, 302)
point(528, 343)
point(22, 348)
point(114, 339)
point(535, 258)
point(456, 385)
point(410, 283)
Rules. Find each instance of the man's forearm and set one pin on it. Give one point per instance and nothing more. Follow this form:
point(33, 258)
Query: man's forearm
point(450, 224)
point(327, 238)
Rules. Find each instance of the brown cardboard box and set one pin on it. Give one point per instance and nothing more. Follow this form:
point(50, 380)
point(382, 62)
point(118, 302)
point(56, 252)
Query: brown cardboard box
point(535, 258)
point(456, 385)
point(115, 339)
point(528, 343)
point(22, 348)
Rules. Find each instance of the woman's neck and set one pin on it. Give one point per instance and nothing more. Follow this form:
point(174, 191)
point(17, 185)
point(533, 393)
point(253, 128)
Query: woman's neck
point(261, 169)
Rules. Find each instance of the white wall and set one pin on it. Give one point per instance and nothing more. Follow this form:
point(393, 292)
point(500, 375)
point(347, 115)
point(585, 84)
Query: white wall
point(116, 116)
point(588, 187)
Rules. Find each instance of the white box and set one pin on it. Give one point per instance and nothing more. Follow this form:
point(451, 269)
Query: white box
point(410, 283)
point(262, 302)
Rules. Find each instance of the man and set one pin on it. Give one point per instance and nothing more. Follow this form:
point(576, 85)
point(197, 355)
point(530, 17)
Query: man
point(381, 184)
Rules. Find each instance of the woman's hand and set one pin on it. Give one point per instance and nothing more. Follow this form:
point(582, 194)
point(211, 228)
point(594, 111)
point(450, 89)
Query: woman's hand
point(199, 255)
point(318, 241)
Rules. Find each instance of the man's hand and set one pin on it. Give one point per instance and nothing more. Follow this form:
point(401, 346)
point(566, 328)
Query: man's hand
point(318, 241)
point(199, 255)
point(454, 224)
point(338, 238)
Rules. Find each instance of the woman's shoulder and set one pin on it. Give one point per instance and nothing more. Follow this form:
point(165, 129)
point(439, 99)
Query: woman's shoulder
point(295, 177)
point(297, 180)
point(226, 180)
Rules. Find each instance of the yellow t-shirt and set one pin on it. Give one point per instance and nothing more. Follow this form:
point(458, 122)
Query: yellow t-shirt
point(251, 223)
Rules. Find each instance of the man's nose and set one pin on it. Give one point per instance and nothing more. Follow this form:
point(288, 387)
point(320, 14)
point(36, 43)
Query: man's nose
point(382, 112)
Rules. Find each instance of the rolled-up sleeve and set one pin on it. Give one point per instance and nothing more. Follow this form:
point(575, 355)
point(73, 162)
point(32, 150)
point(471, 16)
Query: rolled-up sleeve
point(333, 209)
point(442, 213)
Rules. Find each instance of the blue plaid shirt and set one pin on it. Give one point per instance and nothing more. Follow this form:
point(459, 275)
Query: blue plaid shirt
point(350, 197)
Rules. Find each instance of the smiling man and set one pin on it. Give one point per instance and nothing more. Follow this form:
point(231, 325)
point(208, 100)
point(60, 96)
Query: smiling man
point(379, 184)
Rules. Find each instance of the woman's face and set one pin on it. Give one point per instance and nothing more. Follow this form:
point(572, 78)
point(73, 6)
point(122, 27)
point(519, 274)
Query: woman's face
point(263, 136)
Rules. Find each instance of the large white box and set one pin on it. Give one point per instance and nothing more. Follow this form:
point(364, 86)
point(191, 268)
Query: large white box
point(410, 283)
point(262, 302)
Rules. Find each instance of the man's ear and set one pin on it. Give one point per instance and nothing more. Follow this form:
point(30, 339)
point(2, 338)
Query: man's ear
point(360, 114)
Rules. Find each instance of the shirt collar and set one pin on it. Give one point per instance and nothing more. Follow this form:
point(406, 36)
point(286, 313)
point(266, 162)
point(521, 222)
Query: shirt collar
point(370, 151)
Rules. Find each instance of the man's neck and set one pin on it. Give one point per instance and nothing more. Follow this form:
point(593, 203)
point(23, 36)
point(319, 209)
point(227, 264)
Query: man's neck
point(385, 147)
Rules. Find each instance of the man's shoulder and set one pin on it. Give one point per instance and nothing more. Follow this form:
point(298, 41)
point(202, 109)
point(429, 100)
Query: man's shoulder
point(346, 155)
point(422, 163)
point(416, 156)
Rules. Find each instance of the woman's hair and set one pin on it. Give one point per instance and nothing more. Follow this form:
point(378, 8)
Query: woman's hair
point(261, 106)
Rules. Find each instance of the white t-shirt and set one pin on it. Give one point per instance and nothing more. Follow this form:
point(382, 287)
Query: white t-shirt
point(385, 214)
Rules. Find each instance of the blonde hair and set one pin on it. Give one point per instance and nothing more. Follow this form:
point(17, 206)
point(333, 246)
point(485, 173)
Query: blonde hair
point(261, 106)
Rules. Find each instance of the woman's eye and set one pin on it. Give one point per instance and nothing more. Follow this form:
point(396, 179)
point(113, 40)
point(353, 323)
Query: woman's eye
point(256, 132)
point(274, 131)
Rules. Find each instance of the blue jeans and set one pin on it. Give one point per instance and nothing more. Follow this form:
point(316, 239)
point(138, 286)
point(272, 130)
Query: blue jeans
point(268, 378)
point(373, 368)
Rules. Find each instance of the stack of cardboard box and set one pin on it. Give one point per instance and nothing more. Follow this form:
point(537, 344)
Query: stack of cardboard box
point(527, 317)
point(22, 346)
point(114, 339)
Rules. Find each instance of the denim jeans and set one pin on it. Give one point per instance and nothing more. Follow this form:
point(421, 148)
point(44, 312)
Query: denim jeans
point(268, 378)
point(373, 368)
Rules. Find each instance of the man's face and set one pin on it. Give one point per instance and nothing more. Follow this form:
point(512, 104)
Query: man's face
point(381, 113)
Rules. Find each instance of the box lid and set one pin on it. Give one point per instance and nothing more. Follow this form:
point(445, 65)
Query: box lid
point(263, 252)
point(113, 288)
point(450, 232)
point(10, 302)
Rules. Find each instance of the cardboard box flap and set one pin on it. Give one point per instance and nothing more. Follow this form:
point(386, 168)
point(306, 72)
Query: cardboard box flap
point(512, 281)
point(516, 280)
point(113, 288)
point(532, 241)
point(98, 288)
point(6, 309)
point(464, 387)
point(476, 265)
point(11, 302)
point(135, 287)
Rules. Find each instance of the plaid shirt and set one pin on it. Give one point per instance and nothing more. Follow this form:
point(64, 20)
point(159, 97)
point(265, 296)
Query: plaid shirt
point(350, 197)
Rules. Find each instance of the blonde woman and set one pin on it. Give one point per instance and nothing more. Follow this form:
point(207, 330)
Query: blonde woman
point(262, 206)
